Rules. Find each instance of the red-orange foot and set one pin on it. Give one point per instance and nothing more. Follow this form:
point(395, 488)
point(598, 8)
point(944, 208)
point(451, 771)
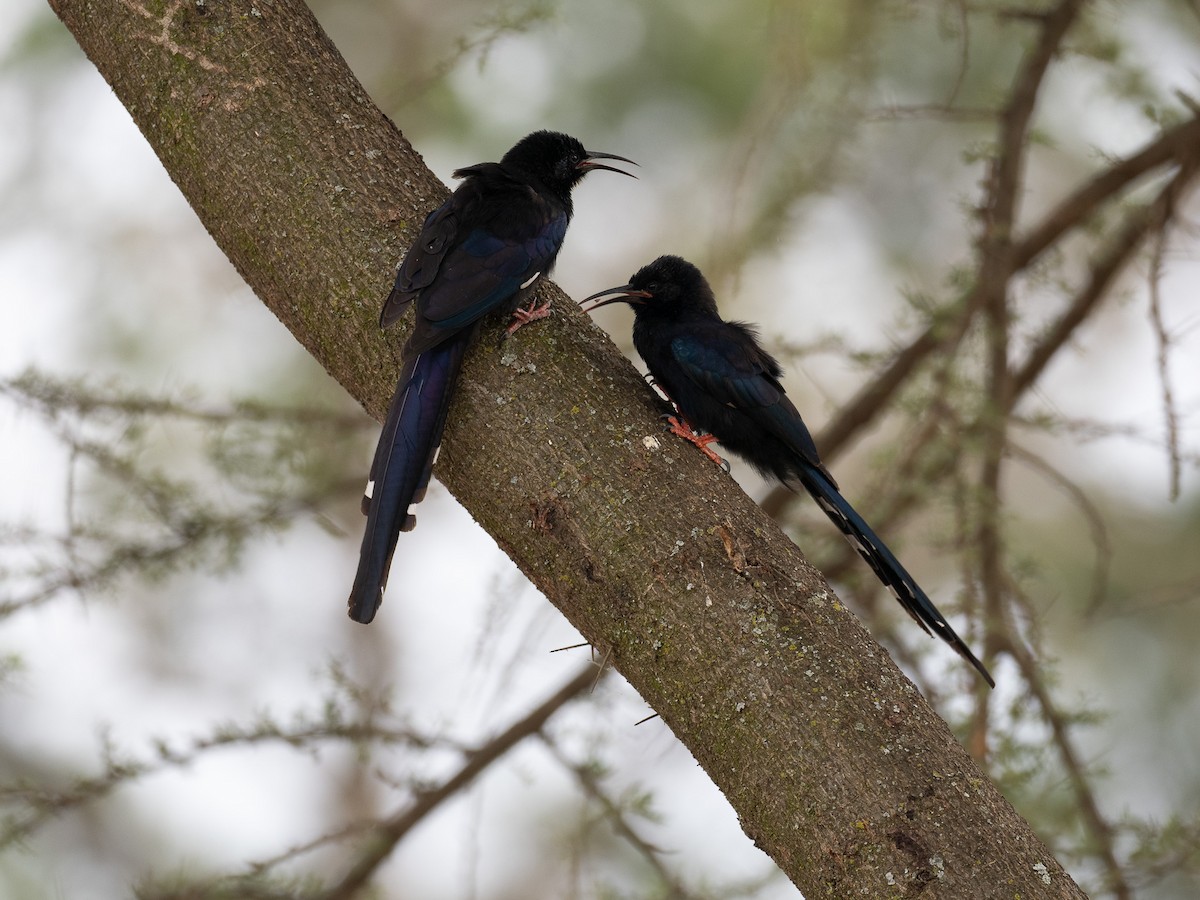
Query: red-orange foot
point(525, 316)
point(681, 427)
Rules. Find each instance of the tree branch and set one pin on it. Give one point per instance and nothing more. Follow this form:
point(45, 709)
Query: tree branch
point(1103, 833)
point(1174, 145)
point(611, 810)
point(916, 478)
point(1116, 254)
point(390, 832)
point(836, 766)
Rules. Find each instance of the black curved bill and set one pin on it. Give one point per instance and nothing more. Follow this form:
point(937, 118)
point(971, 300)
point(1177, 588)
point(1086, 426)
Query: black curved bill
point(588, 164)
point(625, 293)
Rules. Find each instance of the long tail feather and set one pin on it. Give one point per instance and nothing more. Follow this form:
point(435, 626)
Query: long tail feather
point(403, 465)
point(885, 565)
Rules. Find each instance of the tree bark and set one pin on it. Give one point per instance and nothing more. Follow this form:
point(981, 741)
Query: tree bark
point(835, 764)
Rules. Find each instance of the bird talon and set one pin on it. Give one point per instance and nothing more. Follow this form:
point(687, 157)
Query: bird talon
point(522, 317)
point(682, 428)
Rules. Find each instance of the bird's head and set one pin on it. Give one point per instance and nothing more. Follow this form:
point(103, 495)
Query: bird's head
point(669, 286)
point(557, 160)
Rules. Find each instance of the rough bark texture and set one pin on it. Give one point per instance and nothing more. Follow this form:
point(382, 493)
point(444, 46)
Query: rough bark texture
point(836, 766)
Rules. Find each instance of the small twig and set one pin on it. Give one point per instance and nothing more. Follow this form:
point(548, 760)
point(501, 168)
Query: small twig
point(388, 833)
point(259, 867)
point(1101, 830)
point(964, 51)
point(571, 647)
point(1090, 512)
point(1117, 253)
point(941, 112)
point(962, 492)
point(601, 669)
point(1008, 165)
point(1162, 357)
point(612, 811)
point(40, 806)
point(903, 476)
point(1157, 599)
point(1177, 144)
point(484, 35)
point(53, 396)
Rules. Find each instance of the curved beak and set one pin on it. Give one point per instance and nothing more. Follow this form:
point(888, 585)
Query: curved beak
point(589, 163)
point(625, 293)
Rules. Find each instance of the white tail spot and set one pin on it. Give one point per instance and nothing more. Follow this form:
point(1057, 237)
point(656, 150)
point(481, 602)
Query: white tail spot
point(369, 489)
point(531, 280)
point(859, 546)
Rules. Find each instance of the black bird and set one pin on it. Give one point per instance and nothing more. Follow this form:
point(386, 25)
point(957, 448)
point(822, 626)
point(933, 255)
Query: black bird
point(727, 388)
point(485, 248)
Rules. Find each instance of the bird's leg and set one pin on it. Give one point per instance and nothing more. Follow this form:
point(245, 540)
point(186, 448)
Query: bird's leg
point(661, 392)
point(530, 314)
point(681, 426)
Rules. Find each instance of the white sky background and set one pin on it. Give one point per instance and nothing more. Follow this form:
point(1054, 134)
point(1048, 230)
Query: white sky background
point(102, 235)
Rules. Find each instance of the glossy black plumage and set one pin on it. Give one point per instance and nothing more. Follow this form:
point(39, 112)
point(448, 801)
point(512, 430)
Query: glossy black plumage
point(724, 384)
point(485, 248)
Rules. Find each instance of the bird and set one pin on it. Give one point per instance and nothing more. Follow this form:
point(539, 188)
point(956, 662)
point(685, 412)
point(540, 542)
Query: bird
point(726, 388)
point(485, 248)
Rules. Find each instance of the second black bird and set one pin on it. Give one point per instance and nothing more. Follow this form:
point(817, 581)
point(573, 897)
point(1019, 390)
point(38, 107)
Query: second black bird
point(485, 248)
point(727, 387)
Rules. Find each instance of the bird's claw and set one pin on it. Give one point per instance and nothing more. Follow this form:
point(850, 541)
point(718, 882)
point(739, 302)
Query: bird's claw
point(683, 429)
point(523, 317)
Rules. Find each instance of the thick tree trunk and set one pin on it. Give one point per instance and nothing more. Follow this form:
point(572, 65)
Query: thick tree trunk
point(835, 764)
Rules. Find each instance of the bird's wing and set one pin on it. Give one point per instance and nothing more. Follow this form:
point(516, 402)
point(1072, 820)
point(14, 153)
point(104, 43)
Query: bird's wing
point(726, 362)
point(439, 232)
point(727, 368)
point(487, 266)
point(423, 260)
point(486, 269)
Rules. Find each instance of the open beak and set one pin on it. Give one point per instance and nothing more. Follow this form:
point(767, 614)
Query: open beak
point(624, 293)
point(589, 163)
